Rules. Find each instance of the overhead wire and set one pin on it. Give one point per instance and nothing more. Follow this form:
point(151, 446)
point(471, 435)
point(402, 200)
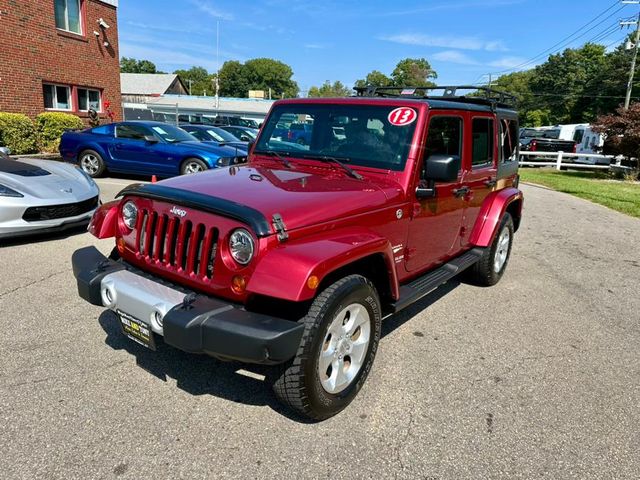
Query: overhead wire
point(571, 38)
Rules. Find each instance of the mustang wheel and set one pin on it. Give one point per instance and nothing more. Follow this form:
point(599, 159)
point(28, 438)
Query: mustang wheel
point(91, 162)
point(338, 346)
point(193, 165)
point(491, 266)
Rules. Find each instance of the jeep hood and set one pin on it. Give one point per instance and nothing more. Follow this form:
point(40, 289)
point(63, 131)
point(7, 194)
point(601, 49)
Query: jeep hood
point(302, 196)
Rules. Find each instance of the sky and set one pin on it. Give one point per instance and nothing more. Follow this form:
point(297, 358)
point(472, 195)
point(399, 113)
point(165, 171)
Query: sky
point(464, 40)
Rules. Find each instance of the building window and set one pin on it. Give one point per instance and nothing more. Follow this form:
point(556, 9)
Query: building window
point(68, 15)
point(57, 97)
point(88, 100)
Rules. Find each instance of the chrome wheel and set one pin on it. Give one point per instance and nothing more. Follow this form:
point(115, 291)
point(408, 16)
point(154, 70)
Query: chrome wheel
point(90, 163)
point(344, 348)
point(502, 250)
point(193, 167)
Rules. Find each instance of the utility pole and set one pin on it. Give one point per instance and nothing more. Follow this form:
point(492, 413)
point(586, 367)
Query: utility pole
point(190, 82)
point(217, 66)
point(636, 42)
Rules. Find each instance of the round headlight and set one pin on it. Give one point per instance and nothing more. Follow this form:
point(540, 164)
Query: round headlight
point(241, 246)
point(130, 214)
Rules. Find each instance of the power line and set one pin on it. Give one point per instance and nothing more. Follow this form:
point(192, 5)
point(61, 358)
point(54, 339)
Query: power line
point(570, 38)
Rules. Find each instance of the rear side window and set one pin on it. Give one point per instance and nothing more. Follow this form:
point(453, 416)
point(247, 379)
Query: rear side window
point(482, 131)
point(101, 130)
point(509, 138)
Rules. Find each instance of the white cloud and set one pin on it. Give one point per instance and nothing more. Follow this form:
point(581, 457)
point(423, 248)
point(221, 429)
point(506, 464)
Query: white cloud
point(315, 46)
point(209, 9)
point(453, 56)
point(455, 6)
point(508, 62)
point(462, 43)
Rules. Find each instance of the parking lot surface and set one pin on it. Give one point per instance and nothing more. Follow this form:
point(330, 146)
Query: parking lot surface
point(538, 376)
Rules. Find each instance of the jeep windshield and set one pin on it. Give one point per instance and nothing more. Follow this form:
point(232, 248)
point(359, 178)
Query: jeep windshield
point(356, 134)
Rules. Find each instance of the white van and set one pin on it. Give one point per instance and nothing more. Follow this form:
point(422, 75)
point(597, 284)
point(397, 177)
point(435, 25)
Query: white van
point(587, 141)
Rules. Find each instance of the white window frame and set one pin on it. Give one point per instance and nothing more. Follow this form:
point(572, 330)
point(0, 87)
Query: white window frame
point(55, 97)
point(66, 17)
point(99, 109)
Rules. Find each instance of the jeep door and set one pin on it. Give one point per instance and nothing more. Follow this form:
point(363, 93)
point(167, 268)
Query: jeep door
point(434, 230)
point(480, 172)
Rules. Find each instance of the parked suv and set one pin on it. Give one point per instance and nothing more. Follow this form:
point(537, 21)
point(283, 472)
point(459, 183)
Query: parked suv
point(296, 258)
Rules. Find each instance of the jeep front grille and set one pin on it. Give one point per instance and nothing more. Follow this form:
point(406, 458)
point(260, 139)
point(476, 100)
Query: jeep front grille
point(190, 248)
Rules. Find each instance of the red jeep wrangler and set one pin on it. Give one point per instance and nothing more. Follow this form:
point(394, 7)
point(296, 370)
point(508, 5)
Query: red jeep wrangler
point(295, 258)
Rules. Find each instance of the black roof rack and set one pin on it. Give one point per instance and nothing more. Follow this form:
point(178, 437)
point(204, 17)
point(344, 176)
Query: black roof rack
point(479, 95)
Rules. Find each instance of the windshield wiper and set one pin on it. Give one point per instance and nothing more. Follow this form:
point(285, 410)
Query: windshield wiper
point(278, 155)
point(325, 158)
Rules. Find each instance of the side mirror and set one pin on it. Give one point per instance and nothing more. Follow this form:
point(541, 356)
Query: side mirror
point(442, 168)
point(150, 139)
point(438, 168)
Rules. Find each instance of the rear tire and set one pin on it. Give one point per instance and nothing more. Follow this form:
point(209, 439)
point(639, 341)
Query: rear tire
point(489, 269)
point(338, 346)
point(91, 163)
point(193, 165)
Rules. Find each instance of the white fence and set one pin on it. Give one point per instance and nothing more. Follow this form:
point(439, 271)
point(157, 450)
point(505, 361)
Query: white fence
point(556, 160)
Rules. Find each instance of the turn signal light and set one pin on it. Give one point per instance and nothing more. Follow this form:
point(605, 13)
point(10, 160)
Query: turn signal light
point(120, 244)
point(238, 284)
point(313, 282)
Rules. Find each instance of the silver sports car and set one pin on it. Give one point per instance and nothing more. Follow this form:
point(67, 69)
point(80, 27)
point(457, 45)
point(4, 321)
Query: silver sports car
point(43, 195)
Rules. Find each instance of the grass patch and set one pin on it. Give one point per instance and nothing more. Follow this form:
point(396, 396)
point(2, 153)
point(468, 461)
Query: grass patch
point(594, 186)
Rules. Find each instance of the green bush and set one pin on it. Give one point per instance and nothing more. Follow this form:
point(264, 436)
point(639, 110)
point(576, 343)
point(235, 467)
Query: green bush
point(51, 126)
point(18, 133)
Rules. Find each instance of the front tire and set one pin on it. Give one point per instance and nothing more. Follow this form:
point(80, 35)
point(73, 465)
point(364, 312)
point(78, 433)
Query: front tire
point(193, 165)
point(91, 163)
point(338, 346)
point(489, 269)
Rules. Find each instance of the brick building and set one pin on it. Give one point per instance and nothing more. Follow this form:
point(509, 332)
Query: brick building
point(59, 55)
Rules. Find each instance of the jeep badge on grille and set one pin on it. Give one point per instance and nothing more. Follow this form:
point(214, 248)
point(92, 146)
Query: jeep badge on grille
point(178, 211)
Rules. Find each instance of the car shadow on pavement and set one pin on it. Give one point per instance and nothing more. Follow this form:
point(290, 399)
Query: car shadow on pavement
point(41, 237)
point(402, 317)
point(199, 374)
point(234, 381)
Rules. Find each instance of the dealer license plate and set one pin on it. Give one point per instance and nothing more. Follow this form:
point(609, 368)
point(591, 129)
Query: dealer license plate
point(136, 330)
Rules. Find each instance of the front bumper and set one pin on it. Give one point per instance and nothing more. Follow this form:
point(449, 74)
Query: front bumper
point(192, 323)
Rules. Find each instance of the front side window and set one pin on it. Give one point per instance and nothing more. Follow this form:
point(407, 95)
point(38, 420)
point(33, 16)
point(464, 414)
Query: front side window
point(68, 15)
point(132, 132)
point(88, 100)
point(482, 131)
point(57, 97)
point(360, 135)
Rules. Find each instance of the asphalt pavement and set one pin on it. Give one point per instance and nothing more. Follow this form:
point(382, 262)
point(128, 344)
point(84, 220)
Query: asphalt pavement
point(537, 377)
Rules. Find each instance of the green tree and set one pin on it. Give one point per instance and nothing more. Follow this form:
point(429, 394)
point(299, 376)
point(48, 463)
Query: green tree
point(236, 79)
point(328, 89)
point(131, 65)
point(566, 80)
point(409, 72)
point(233, 81)
point(375, 78)
point(200, 80)
point(267, 73)
point(414, 72)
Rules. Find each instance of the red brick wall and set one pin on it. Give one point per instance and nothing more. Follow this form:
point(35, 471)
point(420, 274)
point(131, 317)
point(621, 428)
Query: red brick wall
point(33, 51)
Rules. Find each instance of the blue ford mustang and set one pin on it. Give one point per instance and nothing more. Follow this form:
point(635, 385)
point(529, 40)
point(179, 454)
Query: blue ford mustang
point(144, 148)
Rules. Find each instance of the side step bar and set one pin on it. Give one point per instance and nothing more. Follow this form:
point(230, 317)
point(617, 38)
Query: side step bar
point(421, 286)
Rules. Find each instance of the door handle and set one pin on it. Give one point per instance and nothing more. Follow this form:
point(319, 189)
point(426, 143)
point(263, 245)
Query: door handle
point(491, 183)
point(461, 192)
